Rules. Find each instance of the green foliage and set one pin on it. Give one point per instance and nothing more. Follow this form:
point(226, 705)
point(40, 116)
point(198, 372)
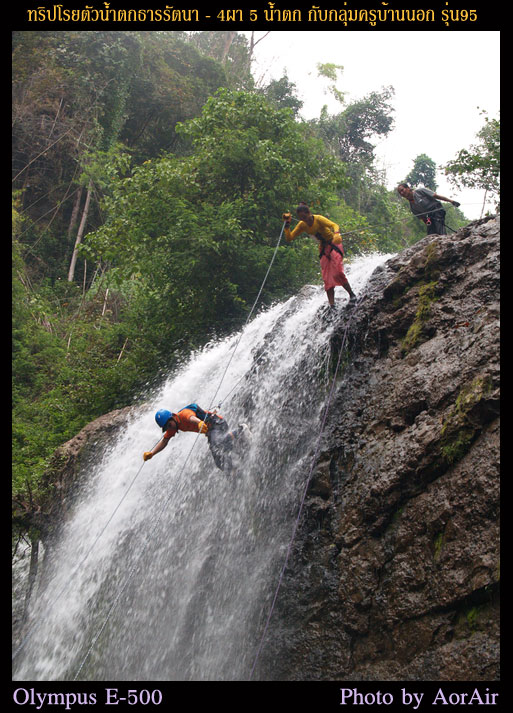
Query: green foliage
point(349, 133)
point(459, 429)
point(193, 236)
point(231, 50)
point(78, 94)
point(329, 70)
point(423, 172)
point(282, 93)
point(65, 370)
point(246, 148)
point(479, 167)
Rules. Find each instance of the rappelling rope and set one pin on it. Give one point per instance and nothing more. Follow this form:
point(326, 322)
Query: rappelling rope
point(36, 626)
point(305, 490)
point(360, 229)
point(248, 318)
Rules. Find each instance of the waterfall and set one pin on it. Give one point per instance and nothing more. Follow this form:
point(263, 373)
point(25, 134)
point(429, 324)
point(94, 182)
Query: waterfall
point(178, 585)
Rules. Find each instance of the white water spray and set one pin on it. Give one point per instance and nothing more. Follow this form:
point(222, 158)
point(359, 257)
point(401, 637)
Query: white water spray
point(178, 585)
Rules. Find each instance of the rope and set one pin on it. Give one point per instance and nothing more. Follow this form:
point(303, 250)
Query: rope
point(122, 589)
point(394, 222)
point(360, 229)
point(188, 456)
point(305, 490)
point(247, 319)
point(363, 228)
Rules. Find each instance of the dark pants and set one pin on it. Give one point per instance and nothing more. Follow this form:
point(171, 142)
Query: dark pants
point(220, 440)
point(437, 226)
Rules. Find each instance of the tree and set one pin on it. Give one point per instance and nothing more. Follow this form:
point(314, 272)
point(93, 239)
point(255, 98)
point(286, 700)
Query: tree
point(349, 136)
point(479, 167)
point(232, 51)
point(330, 70)
point(423, 172)
point(174, 80)
point(70, 97)
point(75, 93)
point(247, 149)
point(282, 93)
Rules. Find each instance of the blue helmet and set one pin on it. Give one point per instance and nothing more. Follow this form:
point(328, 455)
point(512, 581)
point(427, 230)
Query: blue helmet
point(162, 417)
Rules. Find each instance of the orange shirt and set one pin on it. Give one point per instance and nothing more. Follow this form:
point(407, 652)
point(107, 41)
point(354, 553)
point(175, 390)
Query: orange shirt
point(183, 422)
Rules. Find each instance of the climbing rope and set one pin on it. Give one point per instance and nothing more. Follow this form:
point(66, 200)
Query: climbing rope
point(247, 320)
point(364, 227)
point(305, 491)
point(360, 229)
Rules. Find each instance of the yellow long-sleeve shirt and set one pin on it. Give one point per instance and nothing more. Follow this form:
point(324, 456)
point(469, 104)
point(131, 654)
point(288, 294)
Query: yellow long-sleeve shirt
point(322, 228)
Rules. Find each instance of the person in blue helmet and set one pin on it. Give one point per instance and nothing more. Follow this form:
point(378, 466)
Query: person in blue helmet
point(195, 419)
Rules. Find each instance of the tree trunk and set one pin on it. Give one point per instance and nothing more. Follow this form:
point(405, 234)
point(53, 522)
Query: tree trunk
point(230, 36)
point(81, 228)
point(34, 558)
point(484, 203)
point(74, 212)
point(253, 43)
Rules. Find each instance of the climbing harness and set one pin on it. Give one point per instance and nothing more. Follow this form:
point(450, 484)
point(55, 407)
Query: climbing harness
point(324, 243)
point(305, 489)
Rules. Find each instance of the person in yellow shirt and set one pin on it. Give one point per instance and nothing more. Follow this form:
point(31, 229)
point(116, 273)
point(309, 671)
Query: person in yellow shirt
point(331, 251)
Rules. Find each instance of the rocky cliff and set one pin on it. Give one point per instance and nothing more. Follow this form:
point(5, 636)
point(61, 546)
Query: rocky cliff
point(395, 569)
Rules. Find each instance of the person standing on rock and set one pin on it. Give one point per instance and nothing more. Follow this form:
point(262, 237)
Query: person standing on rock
point(193, 418)
point(425, 204)
point(331, 252)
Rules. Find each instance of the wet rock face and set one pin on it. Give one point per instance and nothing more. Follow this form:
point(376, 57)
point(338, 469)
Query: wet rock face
point(63, 472)
point(395, 571)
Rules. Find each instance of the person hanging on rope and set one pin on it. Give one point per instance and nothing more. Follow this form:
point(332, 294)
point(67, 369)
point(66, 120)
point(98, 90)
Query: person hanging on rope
point(425, 204)
point(331, 252)
point(193, 418)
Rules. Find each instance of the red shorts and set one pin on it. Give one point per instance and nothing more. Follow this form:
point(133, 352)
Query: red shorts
point(332, 268)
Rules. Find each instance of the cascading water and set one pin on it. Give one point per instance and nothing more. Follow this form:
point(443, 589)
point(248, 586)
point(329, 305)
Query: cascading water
point(178, 586)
